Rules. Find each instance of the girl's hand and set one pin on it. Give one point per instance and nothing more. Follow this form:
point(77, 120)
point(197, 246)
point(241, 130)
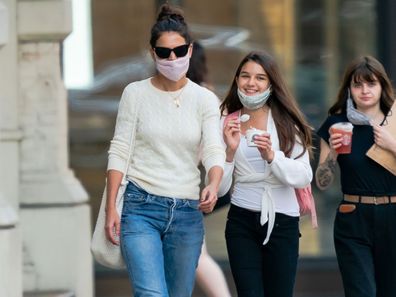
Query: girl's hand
point(112, 226)
point(264, 145)
point(232, 136)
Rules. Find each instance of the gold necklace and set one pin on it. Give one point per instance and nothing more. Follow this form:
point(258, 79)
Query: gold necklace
point(176, 99)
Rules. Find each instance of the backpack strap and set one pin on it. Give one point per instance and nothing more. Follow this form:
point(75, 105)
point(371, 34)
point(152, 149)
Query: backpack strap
point(229, 116)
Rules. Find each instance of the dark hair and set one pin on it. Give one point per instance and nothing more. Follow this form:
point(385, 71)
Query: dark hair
point(170, 19)
point(364, 68)
point(198, 70)
point(288, 118)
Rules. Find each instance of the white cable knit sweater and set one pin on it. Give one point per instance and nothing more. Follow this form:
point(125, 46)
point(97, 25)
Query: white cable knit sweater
point(168, 138)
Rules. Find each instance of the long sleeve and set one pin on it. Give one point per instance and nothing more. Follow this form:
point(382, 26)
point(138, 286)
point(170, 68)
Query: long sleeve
point(213, 153)
point(226, 181)
point(125, 124)
point(296, 173)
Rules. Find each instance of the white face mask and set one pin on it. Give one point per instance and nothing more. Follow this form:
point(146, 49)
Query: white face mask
point(255, 101)
point(173, 69)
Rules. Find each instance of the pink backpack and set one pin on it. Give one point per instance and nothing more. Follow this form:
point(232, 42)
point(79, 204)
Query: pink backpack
point(306, 202)
point(305, 198)
point(229, 116)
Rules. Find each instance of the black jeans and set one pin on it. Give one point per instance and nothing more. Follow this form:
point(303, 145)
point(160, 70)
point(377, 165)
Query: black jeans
point(262, 270)
point(365, 243)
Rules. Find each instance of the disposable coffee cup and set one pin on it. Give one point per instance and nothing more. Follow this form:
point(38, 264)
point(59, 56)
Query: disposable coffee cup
point(251, 133)
point(346, 129)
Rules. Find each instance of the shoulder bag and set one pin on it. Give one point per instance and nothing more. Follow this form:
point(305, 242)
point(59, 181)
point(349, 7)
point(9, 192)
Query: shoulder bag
point(105, 252)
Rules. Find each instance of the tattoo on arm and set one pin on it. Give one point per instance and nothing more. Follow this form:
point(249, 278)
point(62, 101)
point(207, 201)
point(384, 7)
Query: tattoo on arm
point(325, 172)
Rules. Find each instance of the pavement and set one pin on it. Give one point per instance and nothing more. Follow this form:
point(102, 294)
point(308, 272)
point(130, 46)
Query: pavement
point(315, 278)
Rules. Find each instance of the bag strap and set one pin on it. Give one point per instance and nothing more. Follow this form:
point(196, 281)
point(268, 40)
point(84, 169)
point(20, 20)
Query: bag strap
point(314, 218)
point(228, 116)
point(132, 140)
point(312, 210)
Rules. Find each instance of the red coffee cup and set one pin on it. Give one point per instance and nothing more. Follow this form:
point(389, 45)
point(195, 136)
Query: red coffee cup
point(346, 129)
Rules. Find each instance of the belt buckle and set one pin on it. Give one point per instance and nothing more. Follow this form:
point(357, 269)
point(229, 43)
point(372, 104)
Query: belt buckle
point(375, 200)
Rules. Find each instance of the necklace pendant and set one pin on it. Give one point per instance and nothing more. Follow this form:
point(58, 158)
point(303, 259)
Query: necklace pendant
point(177, 102)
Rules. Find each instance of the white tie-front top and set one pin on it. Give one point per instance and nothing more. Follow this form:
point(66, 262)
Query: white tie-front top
point(263, 187)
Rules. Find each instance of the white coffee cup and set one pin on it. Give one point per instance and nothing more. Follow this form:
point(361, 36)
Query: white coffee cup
point(251, 133)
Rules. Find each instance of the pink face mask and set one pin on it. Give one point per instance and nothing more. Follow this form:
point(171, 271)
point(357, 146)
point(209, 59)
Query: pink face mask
point(173, 69)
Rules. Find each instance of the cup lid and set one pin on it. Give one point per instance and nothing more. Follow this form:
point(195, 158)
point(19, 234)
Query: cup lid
point(343, 126)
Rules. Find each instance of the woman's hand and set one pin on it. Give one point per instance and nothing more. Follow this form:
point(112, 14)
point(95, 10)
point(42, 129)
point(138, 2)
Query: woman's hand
point(208, 198)
point(264, 145)
point(112, 226)
point(335, 142)
point(232, 137)
point(384, 139)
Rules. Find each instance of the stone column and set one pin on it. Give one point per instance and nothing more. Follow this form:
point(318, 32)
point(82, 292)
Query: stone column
point(55, 216)
point(10, 234)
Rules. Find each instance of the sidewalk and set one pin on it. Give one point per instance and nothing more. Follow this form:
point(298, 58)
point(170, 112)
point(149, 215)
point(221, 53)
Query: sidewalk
point(315, 278)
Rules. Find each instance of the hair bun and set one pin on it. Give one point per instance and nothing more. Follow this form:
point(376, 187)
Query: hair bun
point(167, 12)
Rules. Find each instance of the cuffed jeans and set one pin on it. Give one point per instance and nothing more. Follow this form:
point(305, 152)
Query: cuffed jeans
point(161, 240)
point(365, 244)
point(262, 270)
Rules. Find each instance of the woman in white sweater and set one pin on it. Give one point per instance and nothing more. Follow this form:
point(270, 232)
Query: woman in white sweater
point(262, 232)
point(161, 229)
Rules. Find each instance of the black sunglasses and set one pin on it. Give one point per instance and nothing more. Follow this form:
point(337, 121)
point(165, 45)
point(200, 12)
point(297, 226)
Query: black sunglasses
point(164, 52)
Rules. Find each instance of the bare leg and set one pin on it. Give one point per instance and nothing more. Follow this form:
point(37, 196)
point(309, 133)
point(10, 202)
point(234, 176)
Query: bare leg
point(210, 277)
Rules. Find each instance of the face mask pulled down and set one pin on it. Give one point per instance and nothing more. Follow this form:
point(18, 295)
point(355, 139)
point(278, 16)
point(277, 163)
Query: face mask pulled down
point(355, 116)
point(173, 69)
point(255, 101)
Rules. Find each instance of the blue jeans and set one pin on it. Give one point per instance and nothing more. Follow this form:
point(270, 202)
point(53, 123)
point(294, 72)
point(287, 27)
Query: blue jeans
point(161, 241)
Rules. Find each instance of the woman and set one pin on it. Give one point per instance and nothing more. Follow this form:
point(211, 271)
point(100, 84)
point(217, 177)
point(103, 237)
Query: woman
point(262, 230)
point(161, 228)
point(364, 234)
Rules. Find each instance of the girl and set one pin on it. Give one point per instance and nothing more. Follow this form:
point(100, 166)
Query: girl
point(262, 230)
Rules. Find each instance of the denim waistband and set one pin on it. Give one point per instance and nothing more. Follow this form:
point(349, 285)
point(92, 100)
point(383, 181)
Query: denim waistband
point(132, 187)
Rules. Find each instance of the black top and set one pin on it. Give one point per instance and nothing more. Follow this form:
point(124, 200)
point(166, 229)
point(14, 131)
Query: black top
point(360, 175)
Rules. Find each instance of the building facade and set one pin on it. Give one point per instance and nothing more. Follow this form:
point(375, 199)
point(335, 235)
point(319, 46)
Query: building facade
point(44, 216)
